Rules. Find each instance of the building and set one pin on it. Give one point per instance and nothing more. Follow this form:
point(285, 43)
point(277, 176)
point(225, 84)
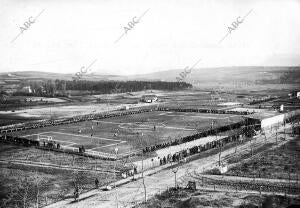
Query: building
point(26, 89)
point(126, 107)
point(149, 98)
point(268, 119)
point(294, 94)
point(272, 119)
point(33, 99)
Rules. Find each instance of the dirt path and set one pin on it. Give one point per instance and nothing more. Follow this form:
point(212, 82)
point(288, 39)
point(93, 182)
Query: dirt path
point(131, 193)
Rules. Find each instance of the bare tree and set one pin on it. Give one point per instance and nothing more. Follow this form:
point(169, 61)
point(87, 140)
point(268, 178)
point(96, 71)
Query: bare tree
point(78, 182)
point(115, 175)
point(25, 192)
point(233, 134)
point(220, 153)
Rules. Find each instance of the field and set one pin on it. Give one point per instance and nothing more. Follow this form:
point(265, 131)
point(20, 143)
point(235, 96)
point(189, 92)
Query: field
point(182, 198)
point(129, 133)
point(281, 163)
point(85, 104)
point(55, 183)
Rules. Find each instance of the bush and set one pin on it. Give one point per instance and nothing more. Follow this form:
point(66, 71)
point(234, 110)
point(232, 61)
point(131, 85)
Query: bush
point(247, 205)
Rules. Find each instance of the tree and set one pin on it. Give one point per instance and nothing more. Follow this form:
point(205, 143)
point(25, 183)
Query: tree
point(142, 144)
point(50, 87)
point(79, 179)
point(25, 192)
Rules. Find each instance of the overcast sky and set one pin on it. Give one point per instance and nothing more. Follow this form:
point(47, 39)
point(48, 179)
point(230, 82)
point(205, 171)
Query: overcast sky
point(172, 34)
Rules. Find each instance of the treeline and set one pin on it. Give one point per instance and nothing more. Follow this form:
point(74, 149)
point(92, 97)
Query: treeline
point(47, 88)
point(52, 88)
point(107, 87)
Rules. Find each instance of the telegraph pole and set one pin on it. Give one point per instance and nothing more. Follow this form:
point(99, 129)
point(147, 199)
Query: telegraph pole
point(175, 170)
point(220, 151)
point(116, 152)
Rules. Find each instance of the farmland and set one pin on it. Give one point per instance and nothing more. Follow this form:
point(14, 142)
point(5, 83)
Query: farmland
point(280, 163)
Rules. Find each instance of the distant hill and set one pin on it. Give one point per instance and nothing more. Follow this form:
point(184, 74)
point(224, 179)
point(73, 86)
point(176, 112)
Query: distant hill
point(197, 76)
point(224, 74)
point(37, 75)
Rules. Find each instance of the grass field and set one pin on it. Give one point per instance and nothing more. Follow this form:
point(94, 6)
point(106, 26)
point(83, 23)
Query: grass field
point(281, 163)
point(130, 132)
point(54, 185)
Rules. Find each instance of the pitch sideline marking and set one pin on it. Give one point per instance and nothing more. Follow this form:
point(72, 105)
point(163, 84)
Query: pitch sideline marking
point(117, 140)
point(105, 146)
point(148, 125)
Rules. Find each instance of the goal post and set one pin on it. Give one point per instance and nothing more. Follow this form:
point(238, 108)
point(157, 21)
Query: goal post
point(44, 138)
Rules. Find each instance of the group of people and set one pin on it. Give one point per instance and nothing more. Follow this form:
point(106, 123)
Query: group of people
point(81, 149)
point(213, 111)
point(33, 125)
point(39, 124)
point(51, 144)
point(19, 140)
point(171, 158)
point(28, 142)
point(176, 157)
point(199, 135)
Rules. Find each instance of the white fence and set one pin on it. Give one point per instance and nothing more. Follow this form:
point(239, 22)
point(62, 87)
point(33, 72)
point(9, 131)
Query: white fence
point(89, 152)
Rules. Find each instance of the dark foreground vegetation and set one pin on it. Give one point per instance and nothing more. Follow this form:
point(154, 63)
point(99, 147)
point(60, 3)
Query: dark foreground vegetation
point(281, 163)
point(28, 186)
point(184, 198)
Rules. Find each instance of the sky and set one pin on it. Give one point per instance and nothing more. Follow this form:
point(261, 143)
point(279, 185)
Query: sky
point(170, 34)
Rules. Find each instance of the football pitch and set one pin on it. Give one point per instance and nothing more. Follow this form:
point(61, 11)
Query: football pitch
point(129, 133)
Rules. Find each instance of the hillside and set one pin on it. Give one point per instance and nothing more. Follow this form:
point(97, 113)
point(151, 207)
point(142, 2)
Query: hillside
point(258, 74)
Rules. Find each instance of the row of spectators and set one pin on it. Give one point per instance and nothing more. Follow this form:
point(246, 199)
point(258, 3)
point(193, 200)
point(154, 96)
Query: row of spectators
point(176, 157)
point(28, 142)
point(263, 100)
point(20, 141)
point(209, 132)
point(213, 111)
point(43, 123)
